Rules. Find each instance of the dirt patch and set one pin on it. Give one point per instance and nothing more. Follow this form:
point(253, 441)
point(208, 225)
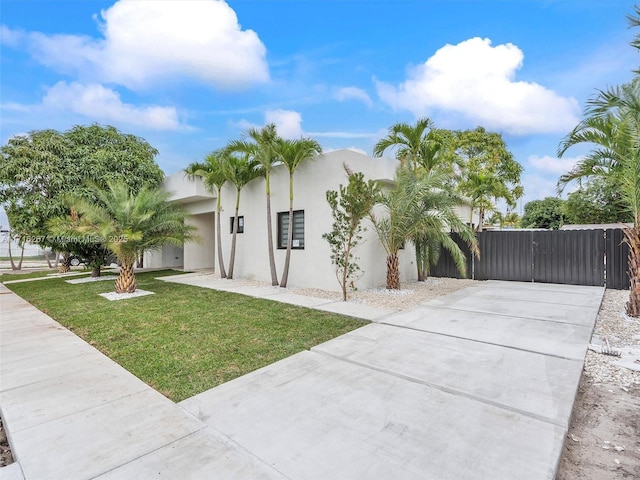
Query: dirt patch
point(5, 451)
point(603, 442)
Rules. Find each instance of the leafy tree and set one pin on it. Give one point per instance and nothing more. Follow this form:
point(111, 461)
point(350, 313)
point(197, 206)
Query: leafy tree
point(213, 173)
point(127, 224)
point(292, 153)
point(260, 146)
point(349, 206)
point(599, 200)
point(488, 171)
point(509, 219)
point(547, 213)
point(38, 170)
point(239, 170)
point(419, 207)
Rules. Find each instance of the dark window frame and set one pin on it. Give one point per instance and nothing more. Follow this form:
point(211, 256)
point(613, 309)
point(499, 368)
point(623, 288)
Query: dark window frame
point(240, 224)
point(282, 242)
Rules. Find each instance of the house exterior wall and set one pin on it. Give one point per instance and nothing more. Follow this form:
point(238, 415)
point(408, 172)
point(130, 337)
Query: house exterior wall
point(310, 267)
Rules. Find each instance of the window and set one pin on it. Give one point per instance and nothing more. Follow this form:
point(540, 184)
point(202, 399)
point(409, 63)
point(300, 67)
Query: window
point(240, 224)
point(298, 229)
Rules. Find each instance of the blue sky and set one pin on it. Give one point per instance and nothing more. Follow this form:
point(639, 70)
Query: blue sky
point(190, 75)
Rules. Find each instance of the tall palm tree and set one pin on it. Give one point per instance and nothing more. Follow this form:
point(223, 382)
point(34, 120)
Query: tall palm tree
point(420, 145)
point(239, 170)
point(612, 125)
point(212, 172)
point(260, 146)
point(418, 207)
point(127, 224)
point(292, 153)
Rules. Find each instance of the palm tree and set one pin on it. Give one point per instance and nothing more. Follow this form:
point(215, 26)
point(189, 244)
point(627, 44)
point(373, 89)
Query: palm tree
point(212, 172)
point(419, 208)
point(127, 224)
point(292, 153)
point(419, 145)
point(612, 125)
point(239, 171)
point(260, 147)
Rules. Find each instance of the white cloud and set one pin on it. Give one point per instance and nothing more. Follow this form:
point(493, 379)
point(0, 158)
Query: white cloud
point(477, 81)
point(353, 93)
point(149, 40)
point(103, 104)
point(9, 37)
point(288, 122)
point(553, 165)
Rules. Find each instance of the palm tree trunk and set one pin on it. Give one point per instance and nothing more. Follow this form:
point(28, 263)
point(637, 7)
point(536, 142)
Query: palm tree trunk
point(420, 259)
point(232, 258)
point(287, 259)
point(140, 260)
point(223, 274)
point(272, 259)
point(65, 264)
point(393, 272)
point(95, 271)
point(126, 281)
point(632, 237)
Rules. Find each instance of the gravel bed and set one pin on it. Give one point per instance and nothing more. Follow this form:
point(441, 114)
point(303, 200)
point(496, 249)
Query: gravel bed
point(622, 332)
point(411, 294)
point(123, 296)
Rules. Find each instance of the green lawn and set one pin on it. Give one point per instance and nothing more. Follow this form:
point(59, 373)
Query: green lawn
point(26, 274)
point(184, 340)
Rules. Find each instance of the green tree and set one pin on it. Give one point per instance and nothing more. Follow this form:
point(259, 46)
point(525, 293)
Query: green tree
point(418, 146)
point(599, 200)
point(127, 223)
point(213, 174)
point(547, 213)
point(419, 207)
point(239, 170)
point(488, 171)
point(260, 145)
point(38, 170)
point(292, 153)
point(349, 206)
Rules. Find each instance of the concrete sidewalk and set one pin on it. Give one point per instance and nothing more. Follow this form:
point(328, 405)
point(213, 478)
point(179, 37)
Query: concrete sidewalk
point(476, 385)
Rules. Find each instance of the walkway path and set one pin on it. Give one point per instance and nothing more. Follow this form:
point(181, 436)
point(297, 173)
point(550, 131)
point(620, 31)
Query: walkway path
point(476, 385)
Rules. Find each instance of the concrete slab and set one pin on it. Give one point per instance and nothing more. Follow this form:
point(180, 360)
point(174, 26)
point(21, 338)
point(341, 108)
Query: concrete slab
point(11, 472)
point(576, 314)
point(25, 343)
point(94, 441)
point(358, 310)
point(530, 383)
point(71, 392)
point(203, 455)
point(552, 287)
point(315, 417)
point(524, 292)
point(49, 365)
point(565, 340)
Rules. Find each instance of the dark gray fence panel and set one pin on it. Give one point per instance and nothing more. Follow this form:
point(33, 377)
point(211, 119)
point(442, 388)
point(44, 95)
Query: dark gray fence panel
point(617, 255)
point(504, 256)
point(574, 257)
point(445, 266)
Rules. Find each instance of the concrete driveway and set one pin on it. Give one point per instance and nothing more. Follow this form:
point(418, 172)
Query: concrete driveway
point(476, 385)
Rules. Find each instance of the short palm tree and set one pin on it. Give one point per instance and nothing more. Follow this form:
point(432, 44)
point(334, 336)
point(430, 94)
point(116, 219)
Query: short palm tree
point(418, 208)
point(612, 124)
point(292, 153)
point(260, 146)
point(129, 223)
point(212, 172)
point(239, 170)
point(417, 146)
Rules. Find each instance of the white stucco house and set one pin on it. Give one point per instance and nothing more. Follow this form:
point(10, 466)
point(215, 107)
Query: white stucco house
point(311, 266)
